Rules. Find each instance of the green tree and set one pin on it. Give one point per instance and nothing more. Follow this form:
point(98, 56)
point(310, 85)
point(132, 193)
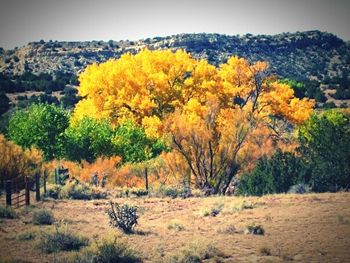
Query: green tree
point(88, 139)
point(325, 146)
point(133, 145)
point(42, 126)
point(274, 175)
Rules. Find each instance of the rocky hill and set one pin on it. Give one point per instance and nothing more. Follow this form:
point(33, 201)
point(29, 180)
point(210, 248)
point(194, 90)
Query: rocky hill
point(311, 54)
point(319, 60)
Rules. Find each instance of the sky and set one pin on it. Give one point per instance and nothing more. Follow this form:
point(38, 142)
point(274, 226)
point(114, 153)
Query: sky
point(23, 21)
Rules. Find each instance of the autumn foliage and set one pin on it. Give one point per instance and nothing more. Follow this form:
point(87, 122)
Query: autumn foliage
point(212, 123)
point(220, 120)
point(16, 162)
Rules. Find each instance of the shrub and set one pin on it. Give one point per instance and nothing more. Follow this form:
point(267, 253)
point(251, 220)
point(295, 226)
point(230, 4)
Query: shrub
point(26, 236)
point(17, 161)
point(43, 217)
point(115, 252)
point(106, 251)
point(61, 241)
point(325, 146)
point(139, 192)
point(216, 209)
point(274, 175)
point(255, 229)
point(7, 212)
point(53, 191)
point(167, 191)
point(124, 217)
point(175, 225)
point(195, 252)
point(265, 251)
point(80, 191)
point(299, 189)
point(230, 229)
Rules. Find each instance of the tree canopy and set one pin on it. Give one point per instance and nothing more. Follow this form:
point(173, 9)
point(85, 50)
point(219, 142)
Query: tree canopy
point(216, 118)
point(42, 126)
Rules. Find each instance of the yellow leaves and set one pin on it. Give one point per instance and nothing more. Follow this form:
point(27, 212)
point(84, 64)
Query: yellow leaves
point(150, 86)
point(280, 101)
point(15, 162)
point(153, 126)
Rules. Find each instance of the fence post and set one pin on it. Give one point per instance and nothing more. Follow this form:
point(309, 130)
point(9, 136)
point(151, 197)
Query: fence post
point(27, 193)
point(8, 187)
point(45, 176)
point(56, 176)
point(146, 179)
point(37, 187)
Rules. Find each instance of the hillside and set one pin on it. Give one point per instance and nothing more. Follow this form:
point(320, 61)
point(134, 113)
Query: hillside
point(320, 60)
point(311, 54)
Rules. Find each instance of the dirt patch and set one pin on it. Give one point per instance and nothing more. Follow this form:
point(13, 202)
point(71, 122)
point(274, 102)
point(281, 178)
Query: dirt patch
point(302, 228)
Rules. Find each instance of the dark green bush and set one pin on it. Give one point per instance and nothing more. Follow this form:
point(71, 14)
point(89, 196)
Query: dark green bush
point(53, 191)
point(274, 175)
point(26, 236)
point(61, 241)
point(107, 251)
point(325, 148)
point(43, 217)
point(299, 189)
point(165, 191)
point(255, 229)
point(115, 252)
point(7, 212)
point(139, 192)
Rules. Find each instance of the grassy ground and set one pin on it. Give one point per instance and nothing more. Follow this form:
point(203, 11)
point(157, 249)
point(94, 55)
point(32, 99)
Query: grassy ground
point(298, 228)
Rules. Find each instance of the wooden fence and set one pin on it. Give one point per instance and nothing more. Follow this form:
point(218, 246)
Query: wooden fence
point(18, 190)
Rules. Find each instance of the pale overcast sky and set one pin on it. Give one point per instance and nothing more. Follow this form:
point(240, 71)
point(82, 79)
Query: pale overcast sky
point(22, 21)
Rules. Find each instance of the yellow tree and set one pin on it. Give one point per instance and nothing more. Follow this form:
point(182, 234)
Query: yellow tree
point(230, 129)
point(218, 119)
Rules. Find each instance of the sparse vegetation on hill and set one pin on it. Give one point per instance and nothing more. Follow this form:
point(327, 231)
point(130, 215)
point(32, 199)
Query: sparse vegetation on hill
point(313, 58)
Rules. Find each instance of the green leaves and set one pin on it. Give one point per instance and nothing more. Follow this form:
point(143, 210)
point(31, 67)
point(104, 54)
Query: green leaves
point(88, 139)
point(42, 126)
point(133, 145)
point(325, 146)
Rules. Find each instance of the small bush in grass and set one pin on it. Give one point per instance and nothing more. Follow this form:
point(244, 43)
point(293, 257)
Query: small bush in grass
point(139, 192)
point(61, 240)
point(255, 229)
point(43, 217)
point(53, 191)
point(115, 252)
point(265, 251)
point(299, 189)
point(216, 209)
point(124, 217)
point(26, 236)
point(196, 252)
point(175, 225)
point(166, 191)
point(107, 251)
point(80, 191)
point(230, 229)
point(170, 192)
point(7, 212)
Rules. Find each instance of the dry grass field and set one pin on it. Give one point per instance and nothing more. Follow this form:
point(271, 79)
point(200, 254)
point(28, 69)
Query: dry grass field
point(298, 228)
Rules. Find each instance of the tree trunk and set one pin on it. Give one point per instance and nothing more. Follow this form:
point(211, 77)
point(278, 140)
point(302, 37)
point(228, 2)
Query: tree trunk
point(231, 171)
